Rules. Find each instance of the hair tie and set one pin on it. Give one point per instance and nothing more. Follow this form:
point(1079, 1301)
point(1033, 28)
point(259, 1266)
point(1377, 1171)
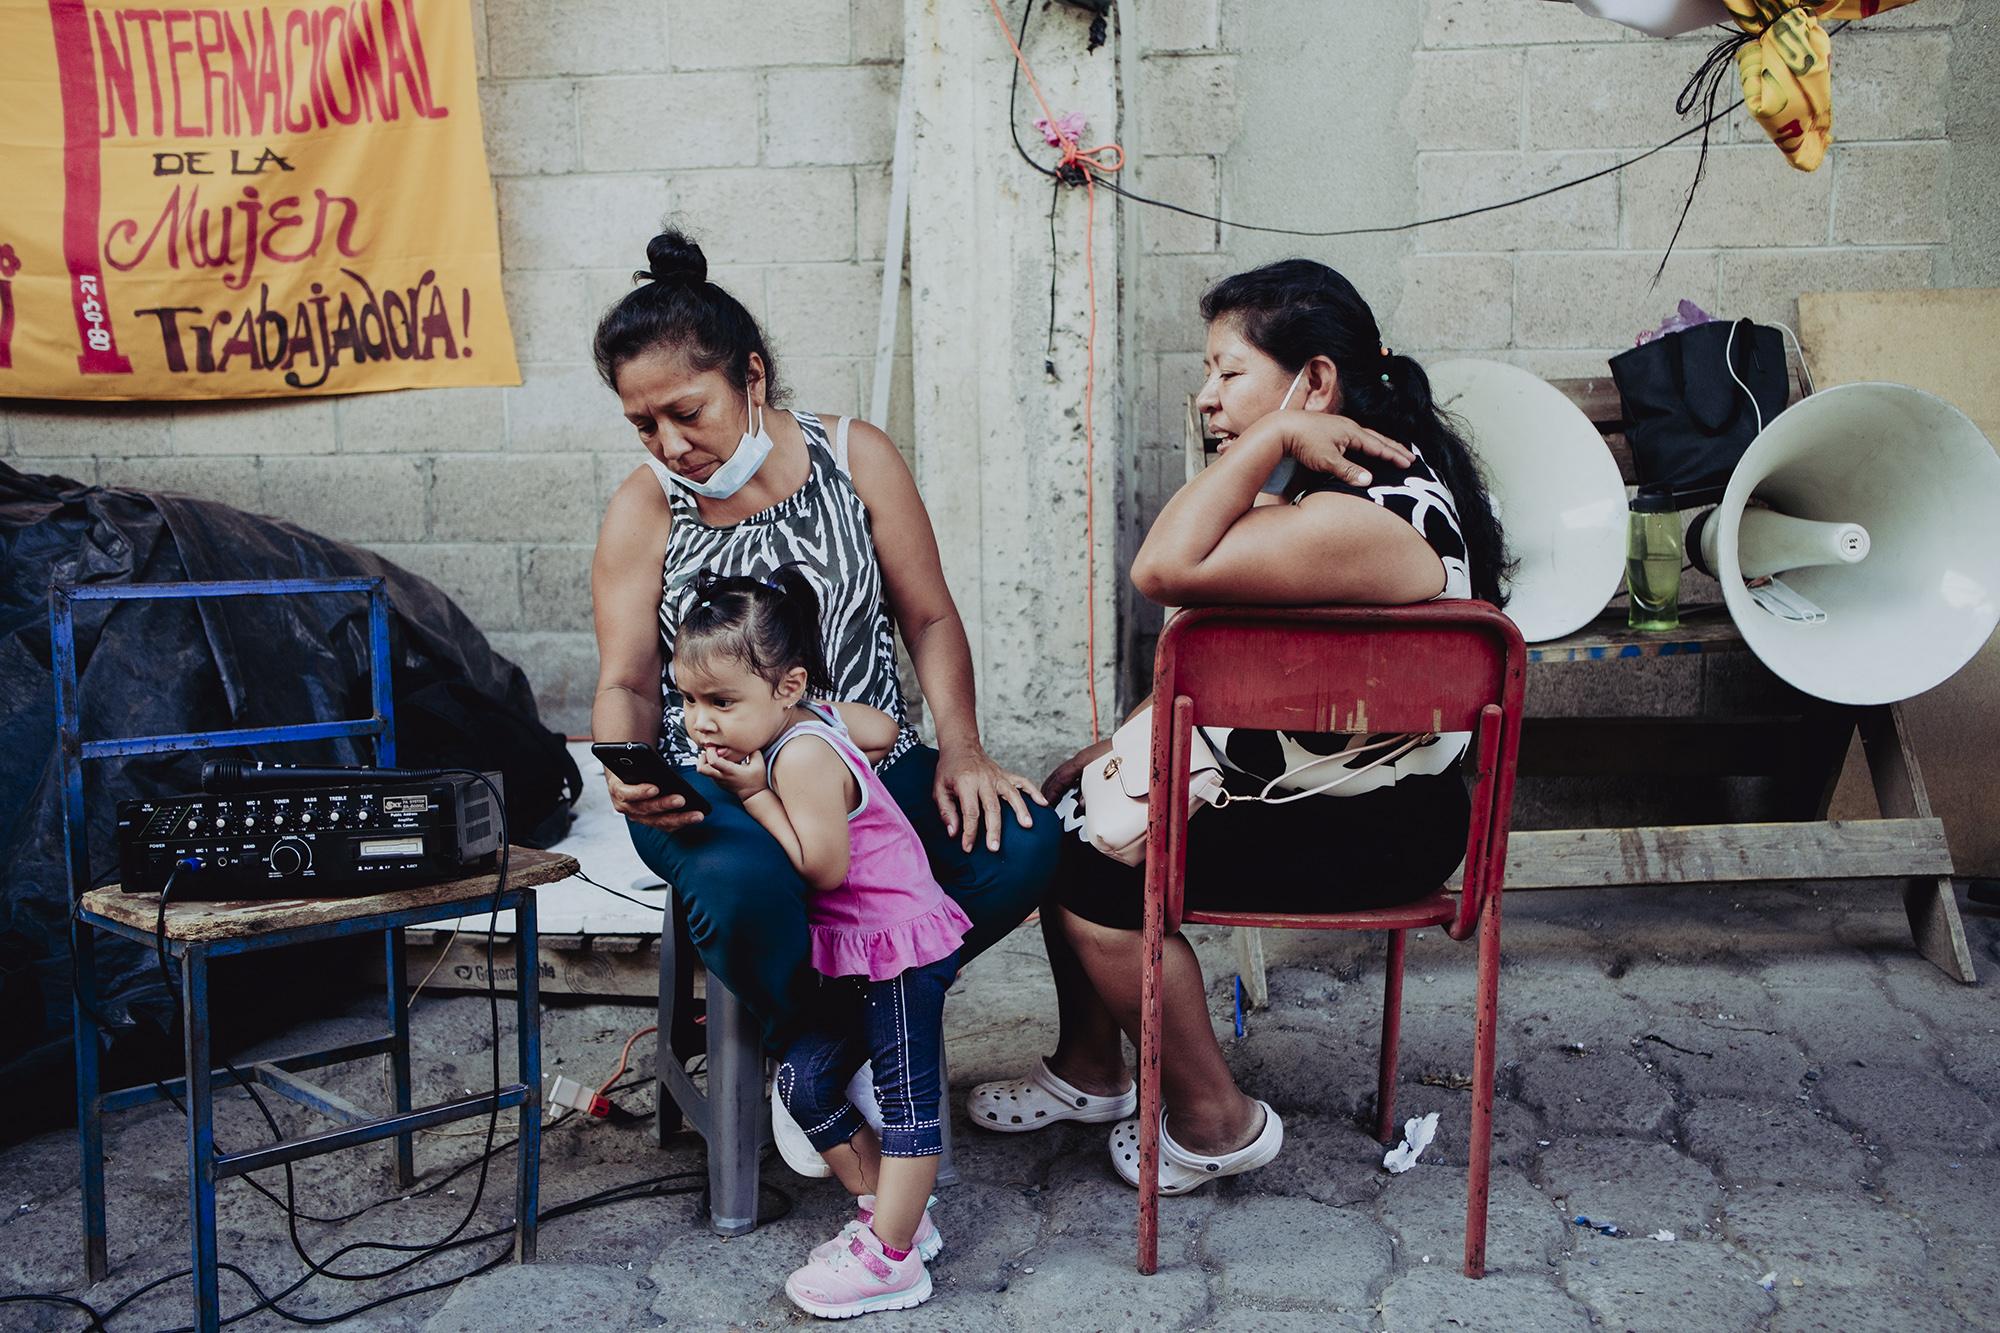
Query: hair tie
point(1386, 351)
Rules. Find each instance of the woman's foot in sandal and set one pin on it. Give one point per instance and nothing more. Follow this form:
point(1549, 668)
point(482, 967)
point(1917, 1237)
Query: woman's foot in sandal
point(1015, 1106)
point(1182, 1170)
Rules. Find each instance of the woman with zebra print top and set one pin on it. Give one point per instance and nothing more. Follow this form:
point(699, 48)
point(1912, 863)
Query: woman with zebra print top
point(730, 486)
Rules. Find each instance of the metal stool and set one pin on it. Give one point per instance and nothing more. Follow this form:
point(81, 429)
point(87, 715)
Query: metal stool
point(732, 1116)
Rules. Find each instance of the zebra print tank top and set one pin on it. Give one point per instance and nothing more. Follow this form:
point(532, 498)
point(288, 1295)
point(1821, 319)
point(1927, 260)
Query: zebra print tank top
point(822, 528)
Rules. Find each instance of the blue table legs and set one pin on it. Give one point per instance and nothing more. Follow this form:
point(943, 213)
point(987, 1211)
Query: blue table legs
point(89, 1103)
point(201, 1137)
point(528, 1039)
point(399, 1051)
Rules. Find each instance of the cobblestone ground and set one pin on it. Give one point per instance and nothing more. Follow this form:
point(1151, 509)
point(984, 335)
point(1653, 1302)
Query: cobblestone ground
point(1771, 1075)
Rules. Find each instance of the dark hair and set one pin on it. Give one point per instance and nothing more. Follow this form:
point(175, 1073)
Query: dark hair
point(1297, 309)
point(770, 625)
point(676, 306)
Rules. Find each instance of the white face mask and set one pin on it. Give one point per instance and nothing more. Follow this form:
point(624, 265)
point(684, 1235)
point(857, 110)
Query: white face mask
point(751, 451)
point(1281, 475)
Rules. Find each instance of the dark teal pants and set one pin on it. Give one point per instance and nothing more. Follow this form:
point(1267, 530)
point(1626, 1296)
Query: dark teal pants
point(746, 904)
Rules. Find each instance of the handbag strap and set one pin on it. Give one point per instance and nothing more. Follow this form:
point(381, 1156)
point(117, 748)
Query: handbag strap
point(1393, 748)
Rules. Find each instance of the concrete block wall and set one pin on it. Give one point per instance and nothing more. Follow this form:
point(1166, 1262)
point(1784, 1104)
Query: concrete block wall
point(765, 129)
point(1499, 98)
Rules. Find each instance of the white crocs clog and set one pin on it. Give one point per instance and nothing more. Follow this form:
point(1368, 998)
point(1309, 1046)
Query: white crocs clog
point(1015, 1106)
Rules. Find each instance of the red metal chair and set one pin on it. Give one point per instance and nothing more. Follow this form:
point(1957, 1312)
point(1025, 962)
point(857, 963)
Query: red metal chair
point(1438, 666)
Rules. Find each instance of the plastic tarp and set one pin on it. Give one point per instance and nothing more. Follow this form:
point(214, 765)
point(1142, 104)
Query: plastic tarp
point(162, 667)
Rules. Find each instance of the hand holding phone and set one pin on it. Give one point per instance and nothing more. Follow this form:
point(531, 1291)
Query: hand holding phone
point(635, 762)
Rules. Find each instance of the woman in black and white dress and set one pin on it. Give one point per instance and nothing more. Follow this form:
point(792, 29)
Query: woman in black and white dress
point(1338, 481)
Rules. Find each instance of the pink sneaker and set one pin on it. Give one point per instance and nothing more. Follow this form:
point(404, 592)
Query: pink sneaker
point(929, 1240)
point(859, 1280)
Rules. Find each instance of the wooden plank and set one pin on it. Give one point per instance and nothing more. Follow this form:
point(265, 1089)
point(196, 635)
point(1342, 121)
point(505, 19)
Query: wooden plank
point(1704, 629)
point(1726, 853)
point(631, 975)
point(1899, 791)
point(1663, 746)
point(237, 920)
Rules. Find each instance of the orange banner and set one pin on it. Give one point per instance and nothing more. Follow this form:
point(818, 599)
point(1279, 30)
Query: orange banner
point(244, 200)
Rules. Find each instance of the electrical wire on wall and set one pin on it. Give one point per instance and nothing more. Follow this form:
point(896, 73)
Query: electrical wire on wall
point(1094, 168)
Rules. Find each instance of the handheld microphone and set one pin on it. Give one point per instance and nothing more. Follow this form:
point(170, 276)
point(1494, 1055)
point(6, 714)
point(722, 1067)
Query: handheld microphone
point(234, 775)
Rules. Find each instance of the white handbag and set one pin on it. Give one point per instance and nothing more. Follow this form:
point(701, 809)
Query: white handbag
point(1115, 786)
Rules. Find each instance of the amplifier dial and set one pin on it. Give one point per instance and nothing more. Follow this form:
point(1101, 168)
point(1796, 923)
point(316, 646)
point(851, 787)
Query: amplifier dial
point(290, 857)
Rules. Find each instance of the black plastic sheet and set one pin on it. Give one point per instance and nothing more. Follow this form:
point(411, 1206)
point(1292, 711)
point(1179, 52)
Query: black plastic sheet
point(172, 667)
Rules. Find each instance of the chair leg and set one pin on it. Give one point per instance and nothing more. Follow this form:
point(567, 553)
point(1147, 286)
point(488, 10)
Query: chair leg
point(89, 1107)
point(528, 1051)
point(1151, 1034)
point(676, 1038)
point(1392, 1030)
point(735, 1112)
point(1480, 1148)
point(201, 1139)
point(399, 1048)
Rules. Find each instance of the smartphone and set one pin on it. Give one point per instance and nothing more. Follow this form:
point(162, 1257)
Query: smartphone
point(637, 762)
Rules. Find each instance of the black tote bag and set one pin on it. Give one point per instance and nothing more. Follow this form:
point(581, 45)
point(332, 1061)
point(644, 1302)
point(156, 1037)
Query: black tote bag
point(1687, 420)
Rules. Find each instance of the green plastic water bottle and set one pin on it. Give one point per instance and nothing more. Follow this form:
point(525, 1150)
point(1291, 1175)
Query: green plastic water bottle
point(1653, 562)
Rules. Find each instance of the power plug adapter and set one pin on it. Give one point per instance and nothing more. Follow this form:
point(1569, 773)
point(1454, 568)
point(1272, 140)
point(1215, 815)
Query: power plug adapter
point(565, 1091)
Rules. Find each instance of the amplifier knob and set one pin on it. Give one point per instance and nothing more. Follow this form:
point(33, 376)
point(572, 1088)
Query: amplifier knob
point(249, 822)
point(306, 817)
point(278, 821)
point(288, 857)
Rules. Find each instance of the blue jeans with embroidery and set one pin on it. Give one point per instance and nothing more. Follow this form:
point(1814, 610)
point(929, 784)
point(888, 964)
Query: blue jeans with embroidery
point(898, 1024)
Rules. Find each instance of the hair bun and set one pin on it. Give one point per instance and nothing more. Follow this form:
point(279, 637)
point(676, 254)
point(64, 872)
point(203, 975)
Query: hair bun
point(673, 260)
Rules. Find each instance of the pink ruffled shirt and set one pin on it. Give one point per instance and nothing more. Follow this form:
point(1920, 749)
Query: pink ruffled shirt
point(889, 915)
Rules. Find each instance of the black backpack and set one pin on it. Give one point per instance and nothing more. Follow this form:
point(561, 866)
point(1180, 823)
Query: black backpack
point(449, 724)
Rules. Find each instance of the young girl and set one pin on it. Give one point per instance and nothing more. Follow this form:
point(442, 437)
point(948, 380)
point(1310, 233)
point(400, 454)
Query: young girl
point(885, 937)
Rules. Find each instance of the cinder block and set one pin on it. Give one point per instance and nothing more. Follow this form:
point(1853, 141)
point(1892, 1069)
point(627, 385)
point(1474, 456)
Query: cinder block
point(484, 578)
point(51, 429)
point(777, 32)
point(231, 481)
point(578, 221)
point(1559, 363)
point(357, 498)
point(555, 587)
point(613, 470)
point(871, 212)
point(562, 667)
point(482, 63)
point(83, 470)
point(1889, 194)
point(528, 38)
point(1889, 85)
point(530, 126)
point(554, 312)
point(824, 384)
point(1187, 104)
point(824, 309)
point(513, 497)
point(1930, 14)
point(876, 32)
point(1170, 289)
point(1511, 23)
point(257, 426)
point(418, 420)
point(1454, 301)
point(818, 117)
point(1182, 25)
point(1190, 182)
point(1604, 300)
point(1750, 196)
point(1609, 96)
point(1765, 284)
point(1580, 217)
point(793, 215)
point(565, 407)
point(667, 120)
point(1468, 100)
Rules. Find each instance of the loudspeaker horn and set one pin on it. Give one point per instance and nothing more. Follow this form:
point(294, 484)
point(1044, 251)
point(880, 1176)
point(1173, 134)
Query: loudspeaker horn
point(1874, 506)
point(1555, 486)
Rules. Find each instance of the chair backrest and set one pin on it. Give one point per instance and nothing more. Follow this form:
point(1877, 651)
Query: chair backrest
point(1435, 666)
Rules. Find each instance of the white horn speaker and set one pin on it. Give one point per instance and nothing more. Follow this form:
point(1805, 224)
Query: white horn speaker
point(1555, 486)
point(1877, 508)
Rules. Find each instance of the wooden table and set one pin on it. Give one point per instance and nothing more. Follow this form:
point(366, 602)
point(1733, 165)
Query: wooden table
point(1804, 747)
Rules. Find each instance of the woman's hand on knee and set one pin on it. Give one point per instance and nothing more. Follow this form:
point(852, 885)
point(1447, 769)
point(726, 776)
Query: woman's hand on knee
point(643, 803)
point(969, 790)
point(1065, 775)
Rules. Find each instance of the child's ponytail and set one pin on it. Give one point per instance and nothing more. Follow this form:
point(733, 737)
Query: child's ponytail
point(798, 609)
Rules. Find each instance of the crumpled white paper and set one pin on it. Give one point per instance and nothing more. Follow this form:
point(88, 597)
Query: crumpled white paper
point(1417, 1136)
